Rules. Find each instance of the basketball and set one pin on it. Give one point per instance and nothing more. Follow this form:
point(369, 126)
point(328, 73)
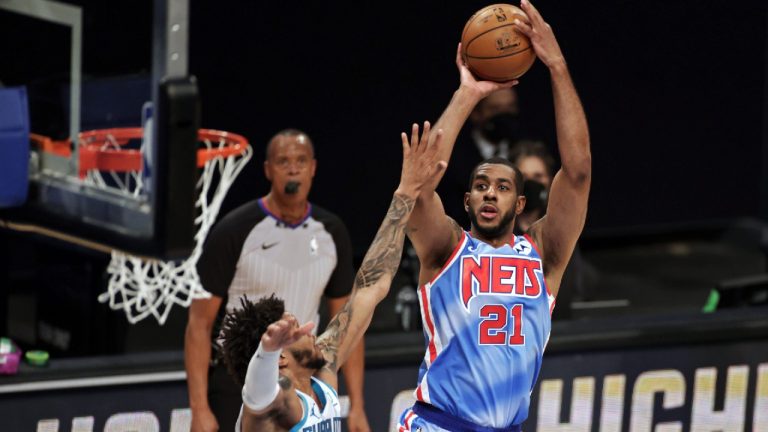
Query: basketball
point(492, 48)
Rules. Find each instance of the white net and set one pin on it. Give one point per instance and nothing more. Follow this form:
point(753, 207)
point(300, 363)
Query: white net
point(143, 287)
point(130, 182)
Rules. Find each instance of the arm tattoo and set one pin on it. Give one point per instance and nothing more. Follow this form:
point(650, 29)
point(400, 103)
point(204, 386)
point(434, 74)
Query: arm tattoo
point(284, 382)
point(458, 232)
point(381, 261)
point(333, 335)
point(384, 254)
point(457, 229)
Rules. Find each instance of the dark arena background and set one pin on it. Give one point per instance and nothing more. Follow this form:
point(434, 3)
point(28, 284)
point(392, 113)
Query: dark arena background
point(669, 328)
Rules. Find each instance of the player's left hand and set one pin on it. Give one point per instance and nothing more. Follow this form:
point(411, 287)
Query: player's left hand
point(541, 35)
point(357, 421)
point(284, 332)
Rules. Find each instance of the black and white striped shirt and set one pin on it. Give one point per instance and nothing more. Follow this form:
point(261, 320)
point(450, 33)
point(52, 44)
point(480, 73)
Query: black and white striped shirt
point(253, 252)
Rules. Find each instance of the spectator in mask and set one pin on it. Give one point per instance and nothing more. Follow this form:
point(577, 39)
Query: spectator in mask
point(495, 124)
point(537, 166)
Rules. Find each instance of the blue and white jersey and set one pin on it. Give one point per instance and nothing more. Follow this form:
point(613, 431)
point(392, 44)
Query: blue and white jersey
point(314, 419)
point(487, 318)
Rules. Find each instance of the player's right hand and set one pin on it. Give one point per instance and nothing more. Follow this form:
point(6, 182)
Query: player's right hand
point(480, 88)
point(541, 36)
point(203, 420)
point(420, 159)
point(284, 332)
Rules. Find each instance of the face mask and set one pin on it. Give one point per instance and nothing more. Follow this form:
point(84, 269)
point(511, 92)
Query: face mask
point(536, 196)
point(502, 126)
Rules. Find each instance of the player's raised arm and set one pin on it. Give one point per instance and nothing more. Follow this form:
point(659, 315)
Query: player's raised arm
point(557, 232)
point(433, 234)
point(421, 162)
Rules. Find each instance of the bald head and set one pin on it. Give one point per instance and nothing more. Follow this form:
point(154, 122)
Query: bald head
point(289, 137)
point(290, 165)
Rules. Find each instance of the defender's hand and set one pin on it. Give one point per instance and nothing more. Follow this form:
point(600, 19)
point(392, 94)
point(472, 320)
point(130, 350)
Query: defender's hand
point(420, 162)
point(541, 35)
point(284, 332)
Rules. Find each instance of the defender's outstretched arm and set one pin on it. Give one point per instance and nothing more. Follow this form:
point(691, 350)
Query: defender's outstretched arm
point(420, 164)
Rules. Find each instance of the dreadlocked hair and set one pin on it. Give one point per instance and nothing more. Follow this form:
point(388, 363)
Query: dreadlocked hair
point(242, 330)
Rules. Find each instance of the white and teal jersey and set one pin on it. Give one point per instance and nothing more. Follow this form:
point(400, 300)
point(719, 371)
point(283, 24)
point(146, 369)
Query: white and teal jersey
point(327, 419)
point(315, 419)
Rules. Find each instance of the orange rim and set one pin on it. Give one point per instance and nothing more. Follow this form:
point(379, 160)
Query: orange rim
point(59, 148)
point(235, 144)
point(93, 156)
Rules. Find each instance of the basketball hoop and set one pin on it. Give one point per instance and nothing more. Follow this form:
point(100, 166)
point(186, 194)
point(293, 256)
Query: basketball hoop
point(114, 159)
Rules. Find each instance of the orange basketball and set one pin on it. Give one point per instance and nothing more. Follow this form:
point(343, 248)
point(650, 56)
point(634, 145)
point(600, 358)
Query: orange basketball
point(492, 48)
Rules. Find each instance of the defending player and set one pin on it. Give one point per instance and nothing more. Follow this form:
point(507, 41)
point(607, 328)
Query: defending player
point(290, 382)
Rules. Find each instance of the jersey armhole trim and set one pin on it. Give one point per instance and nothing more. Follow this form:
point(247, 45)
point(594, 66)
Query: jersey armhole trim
point(324, 384)
point(450, 260)
point(530, 240)
point(304, 415)
point(541, 257)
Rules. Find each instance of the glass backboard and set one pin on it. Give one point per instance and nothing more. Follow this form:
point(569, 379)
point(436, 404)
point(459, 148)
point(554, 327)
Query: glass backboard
point(81, 73)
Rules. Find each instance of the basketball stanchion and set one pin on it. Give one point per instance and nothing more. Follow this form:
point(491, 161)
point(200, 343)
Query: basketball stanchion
point(111, 159)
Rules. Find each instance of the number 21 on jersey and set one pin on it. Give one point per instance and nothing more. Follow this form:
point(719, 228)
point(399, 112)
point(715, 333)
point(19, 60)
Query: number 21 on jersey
point(496, 328)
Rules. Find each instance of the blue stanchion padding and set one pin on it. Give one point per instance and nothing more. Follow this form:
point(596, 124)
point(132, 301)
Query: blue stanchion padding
point(14, 146)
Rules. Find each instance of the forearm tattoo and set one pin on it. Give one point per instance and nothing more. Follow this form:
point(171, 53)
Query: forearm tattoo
point(383, 257)
point(381, 261)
